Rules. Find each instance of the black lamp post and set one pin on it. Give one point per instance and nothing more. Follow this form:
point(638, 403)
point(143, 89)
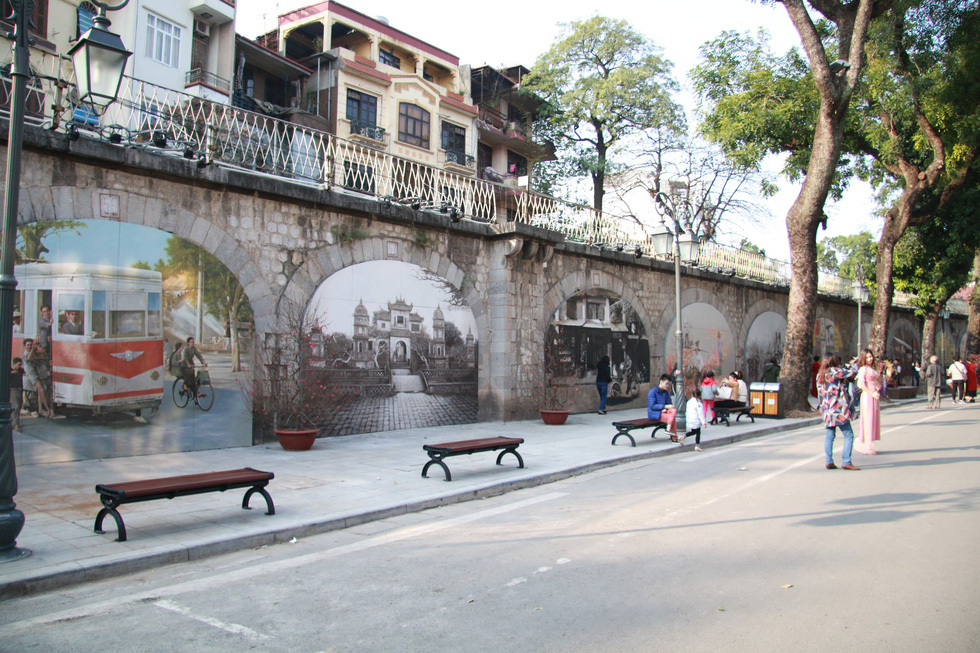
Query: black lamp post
point(104, 59)
point(685, 248)
point(860, 293)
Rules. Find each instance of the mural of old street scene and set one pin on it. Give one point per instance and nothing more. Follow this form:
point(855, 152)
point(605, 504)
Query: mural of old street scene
point(101, 305)
point(904, 348)
point(708, 341)
point(398, 348)
point(586, 327)
point(764, 343)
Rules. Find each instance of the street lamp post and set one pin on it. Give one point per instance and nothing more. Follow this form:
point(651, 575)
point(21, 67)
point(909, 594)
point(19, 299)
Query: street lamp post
point(860, 293)
point(101, 54)
point(685, 248)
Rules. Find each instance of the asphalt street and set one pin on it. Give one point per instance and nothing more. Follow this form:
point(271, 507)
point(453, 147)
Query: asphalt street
point(748, 547)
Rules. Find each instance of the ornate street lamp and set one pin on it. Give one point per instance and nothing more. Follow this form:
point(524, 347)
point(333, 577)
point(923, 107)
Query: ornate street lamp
point(673, 240)
point(860, 294)
point(99, 79)
point(100, 58)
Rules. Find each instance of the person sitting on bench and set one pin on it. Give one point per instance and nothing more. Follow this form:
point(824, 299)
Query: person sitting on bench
point(660, 405)
point(739, 393)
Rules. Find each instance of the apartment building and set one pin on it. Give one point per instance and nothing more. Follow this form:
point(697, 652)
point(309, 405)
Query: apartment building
point(183, 45)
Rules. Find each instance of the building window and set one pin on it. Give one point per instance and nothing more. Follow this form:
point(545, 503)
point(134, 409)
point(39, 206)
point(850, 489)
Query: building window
point(389, 59)
point(596, 311)
point(428, 77)
point(516, 164)
point(85, 14)
point(453, 137)
point(362, 108)
point(413, 125)
point(162, 41)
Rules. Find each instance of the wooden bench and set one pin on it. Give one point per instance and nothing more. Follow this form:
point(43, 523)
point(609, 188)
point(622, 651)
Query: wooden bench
point(628, 425)
point(115, 494)
point(437, 452)
point(724, 414)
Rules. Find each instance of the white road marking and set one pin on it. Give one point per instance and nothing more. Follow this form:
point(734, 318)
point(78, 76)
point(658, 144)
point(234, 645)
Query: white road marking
point(516, 581)
point(542, 570)
point(562, 561)
point(234, 629)
point(270, 567)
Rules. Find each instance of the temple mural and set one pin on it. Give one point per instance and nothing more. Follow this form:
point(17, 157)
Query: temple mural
point(588, 326)
point(763, 343)
point(708, 341)
point(398, 346)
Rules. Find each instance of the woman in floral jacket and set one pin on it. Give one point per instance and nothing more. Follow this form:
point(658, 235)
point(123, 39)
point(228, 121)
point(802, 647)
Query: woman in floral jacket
point(835, 404)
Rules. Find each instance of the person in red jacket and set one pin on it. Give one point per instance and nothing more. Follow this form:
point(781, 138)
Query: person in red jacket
point(971, 379)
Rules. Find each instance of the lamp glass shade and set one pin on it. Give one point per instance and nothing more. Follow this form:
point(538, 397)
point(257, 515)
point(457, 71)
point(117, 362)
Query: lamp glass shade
point(860, 292)
point(662, 241)
point(100, 60)
point(689, 247)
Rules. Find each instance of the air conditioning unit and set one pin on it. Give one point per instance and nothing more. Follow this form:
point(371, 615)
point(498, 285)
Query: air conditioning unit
point(202, 28)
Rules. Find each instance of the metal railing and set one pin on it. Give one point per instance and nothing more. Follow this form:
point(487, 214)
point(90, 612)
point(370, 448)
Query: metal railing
point(177, 124)
point(201, 76)
point(366, 130)
point(460, 158)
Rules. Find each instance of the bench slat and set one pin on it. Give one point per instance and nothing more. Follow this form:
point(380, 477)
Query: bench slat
point(133, 489)
point(473, 445)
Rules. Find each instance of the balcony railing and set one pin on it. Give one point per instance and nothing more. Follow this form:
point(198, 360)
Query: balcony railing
point(171, 123)
point(367, 130)
point(461, 159)
point(201, 76)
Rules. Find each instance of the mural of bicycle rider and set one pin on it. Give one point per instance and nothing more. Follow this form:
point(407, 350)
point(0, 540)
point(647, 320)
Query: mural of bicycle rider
point(187, 370)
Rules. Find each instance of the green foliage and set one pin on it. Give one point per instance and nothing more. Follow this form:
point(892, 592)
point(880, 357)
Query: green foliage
point(934, 259)
point(345, 234)
point(223, 295)
point(141, 265)
point(841, 255)
point(30, 238)
point(747, 245)
point(603, 83)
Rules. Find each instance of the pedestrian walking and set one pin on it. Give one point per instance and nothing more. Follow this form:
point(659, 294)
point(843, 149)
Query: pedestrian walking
point(709, 391)
point(957, 379)
point(971, 378)
point(602, 380)
point(837, 410)
point(16, 392)
point(869, 382)
point(694, 416)
point(934, 383)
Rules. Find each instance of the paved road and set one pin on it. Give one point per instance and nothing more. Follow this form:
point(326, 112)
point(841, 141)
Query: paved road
point(750, 547)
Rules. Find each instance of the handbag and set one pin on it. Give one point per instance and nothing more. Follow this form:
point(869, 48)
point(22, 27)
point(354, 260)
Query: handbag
point(707, 393)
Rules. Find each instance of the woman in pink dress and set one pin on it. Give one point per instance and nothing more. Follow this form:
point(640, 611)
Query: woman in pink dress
point(869, 380)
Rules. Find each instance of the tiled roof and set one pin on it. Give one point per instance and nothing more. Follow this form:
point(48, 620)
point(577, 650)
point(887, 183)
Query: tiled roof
point(367, 70)
point(453, 102)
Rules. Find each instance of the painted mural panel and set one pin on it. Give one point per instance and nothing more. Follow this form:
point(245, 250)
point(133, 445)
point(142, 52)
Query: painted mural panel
point(827, 339)
point(101, 304)
point(398, 347)
point(708, 341)
point(904, 347)
point(588, 326)
point(764, 343)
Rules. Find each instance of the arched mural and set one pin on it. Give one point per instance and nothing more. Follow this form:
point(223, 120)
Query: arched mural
point(398, 346)
point(108, 301)
point(904, 346)
point(763, 343)
point(588, 326)
point(708, 340)
point(827, 338)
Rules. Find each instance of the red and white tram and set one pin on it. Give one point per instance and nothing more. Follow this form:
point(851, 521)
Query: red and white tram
point(106, 333)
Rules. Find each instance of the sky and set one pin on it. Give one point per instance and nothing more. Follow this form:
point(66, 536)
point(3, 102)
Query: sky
point(516, 33)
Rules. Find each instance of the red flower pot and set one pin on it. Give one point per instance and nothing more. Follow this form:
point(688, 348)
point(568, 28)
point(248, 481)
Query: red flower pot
point(296, 439)
point(554, 417)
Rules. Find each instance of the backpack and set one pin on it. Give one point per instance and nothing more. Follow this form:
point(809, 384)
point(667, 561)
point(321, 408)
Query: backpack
point(708, 392)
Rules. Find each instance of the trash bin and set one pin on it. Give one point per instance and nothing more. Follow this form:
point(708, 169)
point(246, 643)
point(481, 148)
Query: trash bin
point(772, 406)
point(757, 398)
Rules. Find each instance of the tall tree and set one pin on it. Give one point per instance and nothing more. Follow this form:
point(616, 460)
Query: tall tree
point(920, 121)
point(788, 105)
point(841, 255)
point(30, 237)
point(604, 82)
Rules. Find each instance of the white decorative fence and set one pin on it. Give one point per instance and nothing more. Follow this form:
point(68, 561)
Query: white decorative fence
point(172, 123)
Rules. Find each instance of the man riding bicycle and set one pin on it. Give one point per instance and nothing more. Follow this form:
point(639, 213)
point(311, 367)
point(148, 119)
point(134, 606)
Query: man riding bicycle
point(187, 355)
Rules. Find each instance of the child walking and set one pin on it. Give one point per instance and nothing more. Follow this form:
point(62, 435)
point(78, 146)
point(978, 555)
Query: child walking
point(694, 415)
point(709, 390)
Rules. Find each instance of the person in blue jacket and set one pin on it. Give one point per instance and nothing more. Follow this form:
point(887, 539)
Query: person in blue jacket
point(660, 405)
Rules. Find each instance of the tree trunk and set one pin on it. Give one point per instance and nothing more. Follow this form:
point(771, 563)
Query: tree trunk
point(801, 310)
point(891, 232)
point(973, 322)
point(928, 337)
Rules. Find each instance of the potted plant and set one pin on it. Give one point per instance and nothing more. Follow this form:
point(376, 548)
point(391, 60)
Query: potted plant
point(294, 398)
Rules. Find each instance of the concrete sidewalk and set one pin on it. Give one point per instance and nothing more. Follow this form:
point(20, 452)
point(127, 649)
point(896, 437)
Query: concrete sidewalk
point(341, 482)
